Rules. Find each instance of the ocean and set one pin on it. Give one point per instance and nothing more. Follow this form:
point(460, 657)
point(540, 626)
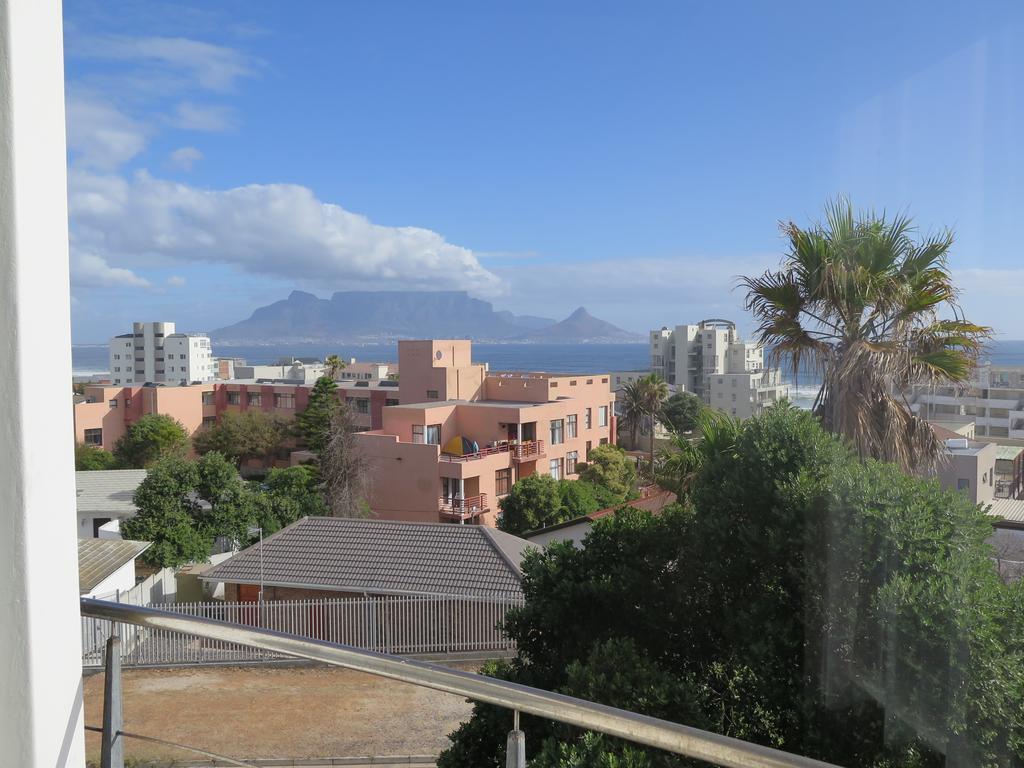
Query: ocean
point(87, 359)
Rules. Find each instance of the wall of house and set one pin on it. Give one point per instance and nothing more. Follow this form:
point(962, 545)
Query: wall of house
point(978, 469)
point(404, 479)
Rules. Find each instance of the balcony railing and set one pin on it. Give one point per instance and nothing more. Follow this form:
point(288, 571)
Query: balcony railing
point(464, 509)
point(490, 451)
point(531, 449)
point(641, 729)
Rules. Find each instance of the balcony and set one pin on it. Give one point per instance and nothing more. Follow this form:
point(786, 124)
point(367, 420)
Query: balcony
point(463, 509)
point(528, 451)
point(490, 451)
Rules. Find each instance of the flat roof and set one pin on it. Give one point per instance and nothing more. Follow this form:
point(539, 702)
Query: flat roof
point(471, 403)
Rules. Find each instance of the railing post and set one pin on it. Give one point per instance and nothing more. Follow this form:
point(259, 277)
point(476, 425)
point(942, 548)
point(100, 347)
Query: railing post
point(515, 749)
point(112, 747)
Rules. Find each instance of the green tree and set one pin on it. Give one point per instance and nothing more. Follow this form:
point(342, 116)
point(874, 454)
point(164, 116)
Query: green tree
point(859, 300)
point(533, 502)
point(166, 515)
point(288, 494)
point(806, 600)
point(609, 467)
point(153, 437)
point(681, 412)
point(92, 457)
point(632, 408)
point(653, 392)
point(334, 366)
point(244, 435)
point(314, 423)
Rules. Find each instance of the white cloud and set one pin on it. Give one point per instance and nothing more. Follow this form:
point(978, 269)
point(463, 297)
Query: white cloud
point(100, 135)
point(214, 118)
point(185, 157)
point(279, 230)
point(212, 67)
point(88, 269)
point(176, 281)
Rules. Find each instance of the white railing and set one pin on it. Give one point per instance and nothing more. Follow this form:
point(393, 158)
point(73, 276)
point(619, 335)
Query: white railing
point(386, 624)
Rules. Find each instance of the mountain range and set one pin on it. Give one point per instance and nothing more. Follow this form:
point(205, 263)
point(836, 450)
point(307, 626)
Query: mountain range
point(373, 316)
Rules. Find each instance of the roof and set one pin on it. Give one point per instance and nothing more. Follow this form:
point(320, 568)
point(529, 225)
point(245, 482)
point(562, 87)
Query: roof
point(1010, 510)
point(1008, 452)
point(108, 491)
point(382, 557)
point(98, 558)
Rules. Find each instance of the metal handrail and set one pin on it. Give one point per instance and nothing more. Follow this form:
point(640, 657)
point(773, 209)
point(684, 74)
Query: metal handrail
point(642, 729)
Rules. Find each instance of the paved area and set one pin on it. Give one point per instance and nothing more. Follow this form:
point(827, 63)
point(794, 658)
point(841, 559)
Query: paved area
point(274, 712)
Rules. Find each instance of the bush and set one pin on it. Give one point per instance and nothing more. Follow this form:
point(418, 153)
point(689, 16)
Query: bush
point(153, 437)
point(92, 457)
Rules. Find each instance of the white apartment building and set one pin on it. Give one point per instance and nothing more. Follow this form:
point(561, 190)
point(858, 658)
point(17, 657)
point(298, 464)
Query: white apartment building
point(711, 361)
point(153, 352)
point(993, 399)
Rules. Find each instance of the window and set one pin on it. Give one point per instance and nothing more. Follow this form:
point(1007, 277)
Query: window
point(502, 481)
point(556, 469)
point(602, 416)
point(391, 401)
point(207, 398)
point(209, 421)
point(181, 357)
point(417, 433)
point(587, 419)
point(433, 434)
point(571, 426)
point(557, 426)
point(94, 437)
point(112, 403)
point(117, 368)
point(570, 462)
point(604, 441)
point(431, 394)
point(284, 401)
point(362, 405)
point(234, 398)
point(254, 398)
point(117, 357)
point(587, 453)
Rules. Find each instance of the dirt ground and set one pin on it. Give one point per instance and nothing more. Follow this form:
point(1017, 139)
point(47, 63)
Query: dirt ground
point(267, 712)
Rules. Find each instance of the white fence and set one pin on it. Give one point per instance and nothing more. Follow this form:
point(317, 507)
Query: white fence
point(397, 625)
point(160, 587)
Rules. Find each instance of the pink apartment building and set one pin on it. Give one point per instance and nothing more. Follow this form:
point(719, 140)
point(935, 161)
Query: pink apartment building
point(461, 436)
point(444, 443)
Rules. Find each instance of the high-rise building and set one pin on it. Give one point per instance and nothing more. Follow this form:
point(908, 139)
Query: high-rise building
point(993, 399)
point(153, 352)
point(711, 361)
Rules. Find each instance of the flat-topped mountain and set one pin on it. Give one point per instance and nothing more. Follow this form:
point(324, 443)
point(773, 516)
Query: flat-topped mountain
point(581, 327)
point(367, 316)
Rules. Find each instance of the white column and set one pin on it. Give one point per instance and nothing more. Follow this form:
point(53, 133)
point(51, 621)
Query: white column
point(40, 637)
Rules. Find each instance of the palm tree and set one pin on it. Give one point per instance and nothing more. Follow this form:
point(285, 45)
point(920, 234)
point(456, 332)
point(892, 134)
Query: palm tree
point(681, 462)
point(334, 365)
point(631, 406)
point(871, 309)
point(653, 393)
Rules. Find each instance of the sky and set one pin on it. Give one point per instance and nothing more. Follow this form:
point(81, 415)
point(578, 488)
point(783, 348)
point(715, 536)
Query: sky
point(632, 158)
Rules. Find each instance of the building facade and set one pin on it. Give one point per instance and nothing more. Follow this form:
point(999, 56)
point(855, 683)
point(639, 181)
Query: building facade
point(461, 436)
point(153, 352)
point(711, 361)
point(993, 400)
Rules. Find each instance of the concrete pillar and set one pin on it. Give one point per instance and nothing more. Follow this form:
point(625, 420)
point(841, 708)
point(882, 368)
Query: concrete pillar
point(112, 744)
point(40, 633)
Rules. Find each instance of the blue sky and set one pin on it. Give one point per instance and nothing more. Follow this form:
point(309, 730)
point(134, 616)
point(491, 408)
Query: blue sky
point(630, 157)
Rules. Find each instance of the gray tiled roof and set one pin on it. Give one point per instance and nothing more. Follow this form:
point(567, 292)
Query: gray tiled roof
point(98, 558)
point(380, 556)
point(108, 491)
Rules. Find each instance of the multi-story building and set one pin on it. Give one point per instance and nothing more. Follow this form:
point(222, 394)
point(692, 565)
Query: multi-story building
point(461, 436)
point(993, 399)
point(153, 352)
point(711, 361)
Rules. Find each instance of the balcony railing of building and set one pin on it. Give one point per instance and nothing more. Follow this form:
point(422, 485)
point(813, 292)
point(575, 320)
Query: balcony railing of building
point(488, 451)
point(641, 729)
point(464, 508)
point(529, 450)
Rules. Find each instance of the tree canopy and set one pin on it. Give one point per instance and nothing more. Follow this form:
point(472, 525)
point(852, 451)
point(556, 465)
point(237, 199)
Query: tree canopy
point(871, 310)
point(153, 437)
point(807, 600)
point(240, 436)
point(314, 423)
point(539, 500)
point(609, 467)
point(92, 457)
point(681, 412)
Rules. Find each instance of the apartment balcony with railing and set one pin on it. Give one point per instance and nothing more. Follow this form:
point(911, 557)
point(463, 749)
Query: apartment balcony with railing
point(464, 509)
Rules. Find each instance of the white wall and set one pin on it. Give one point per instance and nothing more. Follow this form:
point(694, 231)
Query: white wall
point(40, 633)
point(121, 580)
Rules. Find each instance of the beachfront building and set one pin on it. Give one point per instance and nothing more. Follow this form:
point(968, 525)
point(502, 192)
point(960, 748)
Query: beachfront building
point(711, 361)
point(153, 352)
point(461, 436)
point(993, 399)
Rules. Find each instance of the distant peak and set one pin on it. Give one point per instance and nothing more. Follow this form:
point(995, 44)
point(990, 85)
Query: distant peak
point(579, 314)
point(301, 296)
